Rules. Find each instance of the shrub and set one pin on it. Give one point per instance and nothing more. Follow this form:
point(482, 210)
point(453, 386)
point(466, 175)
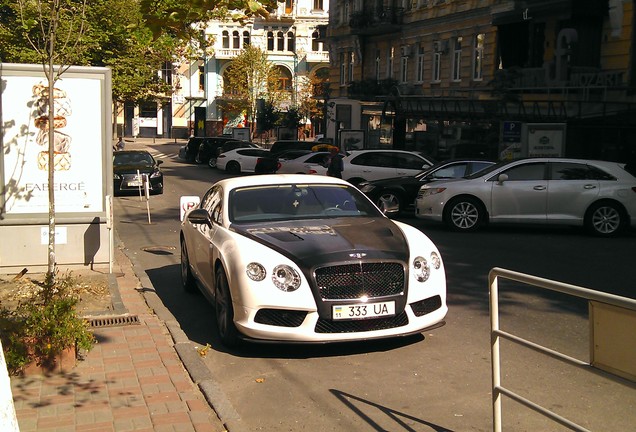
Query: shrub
point(43, 326)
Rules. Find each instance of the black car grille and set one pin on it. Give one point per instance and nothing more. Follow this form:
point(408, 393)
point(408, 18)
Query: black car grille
point(280, 317)
point(352, 281)
point(329, 326)
point(426, 306)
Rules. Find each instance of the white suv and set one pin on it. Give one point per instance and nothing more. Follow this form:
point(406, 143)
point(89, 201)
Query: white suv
point(366, 165)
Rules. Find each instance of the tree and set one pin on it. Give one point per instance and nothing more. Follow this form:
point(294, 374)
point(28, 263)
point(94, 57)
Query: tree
point(54, 30)
point(132, 37)
point(175, 17)
point(311, 94)
point(250, 76)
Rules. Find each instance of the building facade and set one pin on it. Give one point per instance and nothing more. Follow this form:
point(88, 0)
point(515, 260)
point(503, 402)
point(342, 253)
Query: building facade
point(290, 38)
point(493, 78)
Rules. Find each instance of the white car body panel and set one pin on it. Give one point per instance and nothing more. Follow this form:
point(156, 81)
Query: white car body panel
point(246, 162)
point(305, 164)
point(353, 169)
point(223, 245)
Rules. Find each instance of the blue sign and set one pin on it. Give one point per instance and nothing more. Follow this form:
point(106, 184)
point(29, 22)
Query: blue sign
point(511, 132)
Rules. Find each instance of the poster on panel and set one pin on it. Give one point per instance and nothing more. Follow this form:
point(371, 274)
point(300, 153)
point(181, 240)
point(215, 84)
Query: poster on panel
point(78, 134)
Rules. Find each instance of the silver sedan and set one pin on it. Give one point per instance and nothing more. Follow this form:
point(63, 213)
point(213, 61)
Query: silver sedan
point(599, 195)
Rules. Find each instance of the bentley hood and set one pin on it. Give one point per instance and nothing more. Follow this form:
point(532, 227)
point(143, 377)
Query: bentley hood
point(315, 241)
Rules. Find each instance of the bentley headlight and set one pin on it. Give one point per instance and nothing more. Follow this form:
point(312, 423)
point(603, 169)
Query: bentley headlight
point(421, 269)
point(286, 278)
point(436, 260)
point(255, 271)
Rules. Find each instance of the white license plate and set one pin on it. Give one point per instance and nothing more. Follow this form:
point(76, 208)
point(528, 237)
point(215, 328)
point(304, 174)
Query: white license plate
point(134, 183)
point(363, 310)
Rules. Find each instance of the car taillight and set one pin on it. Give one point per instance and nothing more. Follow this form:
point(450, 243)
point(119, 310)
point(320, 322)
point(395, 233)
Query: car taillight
point(278, 165)
point(311, 171)
point(221, 156)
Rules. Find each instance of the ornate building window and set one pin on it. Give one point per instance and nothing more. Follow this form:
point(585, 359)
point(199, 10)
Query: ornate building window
point(478, 56)
point(343, 69)
point(280, 41)
point(436, 61)
point(404, 69)
point(291, 41)
point(225, 37)
point(350, 67)
point(236, 40)
point(289, 6)
point(246, 39)
point(315, 44)
point(457, 59)
point(270, 41)
point(419, 74)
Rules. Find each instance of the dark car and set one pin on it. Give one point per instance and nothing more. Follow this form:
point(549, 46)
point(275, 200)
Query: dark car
point(132, 167)
point(189, 151)
point(211, 147)
point(397, 194)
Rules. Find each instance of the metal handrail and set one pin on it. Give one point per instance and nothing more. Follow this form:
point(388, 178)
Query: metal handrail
point(496, 333)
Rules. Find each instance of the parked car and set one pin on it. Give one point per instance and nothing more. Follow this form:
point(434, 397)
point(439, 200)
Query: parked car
point(308, 163)
point(240, 160)
point(189, 151)
point(209, 149)
point(599, 195)
point(271, 164)
point(129, 169)
point(283, 145)
point(365, 165)
point(396, 195)
point(284, 258)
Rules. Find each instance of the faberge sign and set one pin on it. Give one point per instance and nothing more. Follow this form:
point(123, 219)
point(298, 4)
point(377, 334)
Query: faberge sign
point(78, 135)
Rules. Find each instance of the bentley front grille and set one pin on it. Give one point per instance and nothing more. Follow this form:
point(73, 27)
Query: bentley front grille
point(355, 326)
point(353, 281)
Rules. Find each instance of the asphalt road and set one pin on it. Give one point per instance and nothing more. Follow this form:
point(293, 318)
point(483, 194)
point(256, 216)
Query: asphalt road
point(439, 381)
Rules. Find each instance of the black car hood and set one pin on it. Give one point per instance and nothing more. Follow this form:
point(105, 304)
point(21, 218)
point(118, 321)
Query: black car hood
point(313, 242)
point(132, 169)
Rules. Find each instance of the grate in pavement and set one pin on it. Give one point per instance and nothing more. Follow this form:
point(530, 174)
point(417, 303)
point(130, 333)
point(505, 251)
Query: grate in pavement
point(113, 321)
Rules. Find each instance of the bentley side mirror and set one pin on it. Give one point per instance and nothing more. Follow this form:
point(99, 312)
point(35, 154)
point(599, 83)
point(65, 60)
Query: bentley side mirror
point(199, 216)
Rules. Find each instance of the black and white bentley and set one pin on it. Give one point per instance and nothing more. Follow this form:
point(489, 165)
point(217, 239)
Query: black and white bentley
point(303, 258)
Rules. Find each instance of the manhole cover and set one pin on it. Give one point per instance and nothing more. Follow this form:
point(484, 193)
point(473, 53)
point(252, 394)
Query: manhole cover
point(159, 250)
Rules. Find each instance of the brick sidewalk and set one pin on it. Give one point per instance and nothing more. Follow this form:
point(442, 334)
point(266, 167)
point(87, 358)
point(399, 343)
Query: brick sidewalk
point(132, 380)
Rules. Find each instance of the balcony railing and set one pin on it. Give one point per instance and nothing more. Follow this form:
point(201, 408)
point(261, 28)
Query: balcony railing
point(375, 21)
point(318, 56)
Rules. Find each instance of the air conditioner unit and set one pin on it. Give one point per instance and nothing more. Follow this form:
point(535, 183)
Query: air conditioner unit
point(440, 46)
point(405, 50)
